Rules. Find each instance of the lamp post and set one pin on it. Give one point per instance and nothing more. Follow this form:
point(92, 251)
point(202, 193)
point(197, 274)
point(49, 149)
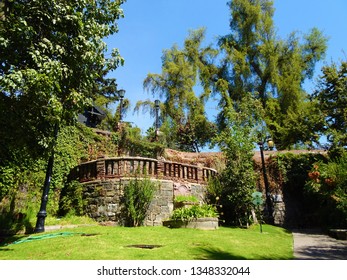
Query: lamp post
point(121, 94)
point(270, 145)
point(42, 214)
point(157, 104)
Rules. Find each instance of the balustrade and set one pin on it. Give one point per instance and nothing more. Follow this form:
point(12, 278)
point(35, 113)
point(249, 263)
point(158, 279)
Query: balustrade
point(87, 171)
point(108, 168)
point(130, 166)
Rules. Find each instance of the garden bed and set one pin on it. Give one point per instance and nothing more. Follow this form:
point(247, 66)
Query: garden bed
point(199, 223)
point(340, 234)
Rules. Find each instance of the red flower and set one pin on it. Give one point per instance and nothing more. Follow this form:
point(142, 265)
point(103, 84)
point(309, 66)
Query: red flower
point(314, 175)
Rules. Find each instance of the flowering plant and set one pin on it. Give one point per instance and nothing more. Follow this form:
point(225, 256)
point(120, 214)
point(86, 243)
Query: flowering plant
point(329, 182)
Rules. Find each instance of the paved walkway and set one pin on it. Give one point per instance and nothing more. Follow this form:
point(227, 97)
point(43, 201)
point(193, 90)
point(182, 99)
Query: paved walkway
point(313, 245)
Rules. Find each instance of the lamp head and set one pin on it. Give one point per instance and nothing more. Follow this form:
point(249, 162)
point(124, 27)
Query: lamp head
point(270, 144)
point(121, 93)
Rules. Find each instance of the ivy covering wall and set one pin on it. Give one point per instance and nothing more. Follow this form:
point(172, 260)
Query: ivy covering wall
point(21, 182)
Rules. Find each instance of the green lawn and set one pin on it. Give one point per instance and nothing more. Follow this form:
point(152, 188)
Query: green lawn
point(114, 243)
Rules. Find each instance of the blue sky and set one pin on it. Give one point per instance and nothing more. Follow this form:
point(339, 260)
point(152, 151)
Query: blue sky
point(151, 26)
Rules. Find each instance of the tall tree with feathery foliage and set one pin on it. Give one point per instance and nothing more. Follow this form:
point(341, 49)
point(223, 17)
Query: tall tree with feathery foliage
point(182, 70)
point(272, 69)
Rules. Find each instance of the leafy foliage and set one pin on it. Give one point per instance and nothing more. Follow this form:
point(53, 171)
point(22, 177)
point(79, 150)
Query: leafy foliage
point(182, 69)
point(132, 142)
point(194, 212)
point(21, 183)
point(251, 58)
point(53, 63)
point(290, 171)
point(272, 69)
point(186, 198)
point(71, 199)
point(8, 179)
point(329, 181)
point(138, 195)
point(293, 168)
point(332, 101)
point(237, 181)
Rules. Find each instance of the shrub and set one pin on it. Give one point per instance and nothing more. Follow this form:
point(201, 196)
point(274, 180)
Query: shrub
point(293, 168)
point(329, 182)
point(71, 202)
point(131, 142)
point(138, 195)
point(289, 172)
point(231, 190)
point(186, 198)
point(14, 220)
point(194, 212)
point(237, 181)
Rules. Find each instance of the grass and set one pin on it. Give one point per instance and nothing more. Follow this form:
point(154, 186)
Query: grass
point(67, 220)
point(96, 242)
point(27, 225)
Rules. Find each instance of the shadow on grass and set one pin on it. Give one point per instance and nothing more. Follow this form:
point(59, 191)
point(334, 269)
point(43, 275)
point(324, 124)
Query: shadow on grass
point(5, 249)
point(8, 240)
point(217, 254)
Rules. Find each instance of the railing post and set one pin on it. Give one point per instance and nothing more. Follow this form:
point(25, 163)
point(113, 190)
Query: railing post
point(160, 169)
point(100, 168)
point(200, 174)
point(151, 168)
point(142, 167)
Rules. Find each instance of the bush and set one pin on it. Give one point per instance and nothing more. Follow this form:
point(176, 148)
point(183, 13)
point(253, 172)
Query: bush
point(138, 195)
point(131, 142)
point(289, 172)
point(329, 182)
point(14, 220)
point(71, 202)
point(237, 181)
point(293, 168)
point(186, 198)
point(194, 212)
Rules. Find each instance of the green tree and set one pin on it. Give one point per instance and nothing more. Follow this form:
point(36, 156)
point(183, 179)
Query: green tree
point(53, 64)
point(272, 69)
point(298, 126)
point(331, 96)
point(182, 70)
point(111, 121)
point(238, 180)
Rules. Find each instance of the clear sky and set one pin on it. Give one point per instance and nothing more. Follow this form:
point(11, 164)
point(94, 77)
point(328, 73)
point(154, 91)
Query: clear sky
point(151, 26)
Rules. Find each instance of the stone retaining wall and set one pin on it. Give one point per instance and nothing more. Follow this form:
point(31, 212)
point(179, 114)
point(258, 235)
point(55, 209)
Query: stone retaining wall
point(103, 199)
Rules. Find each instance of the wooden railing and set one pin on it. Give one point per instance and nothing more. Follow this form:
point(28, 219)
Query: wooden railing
point(120, 167)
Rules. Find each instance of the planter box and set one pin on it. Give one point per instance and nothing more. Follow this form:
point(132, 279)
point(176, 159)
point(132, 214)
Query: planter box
point(199, 223)
point(184, 204)
point(340, 234)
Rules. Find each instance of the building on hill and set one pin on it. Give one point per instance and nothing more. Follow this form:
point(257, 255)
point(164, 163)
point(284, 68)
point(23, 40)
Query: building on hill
point(92, 116)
